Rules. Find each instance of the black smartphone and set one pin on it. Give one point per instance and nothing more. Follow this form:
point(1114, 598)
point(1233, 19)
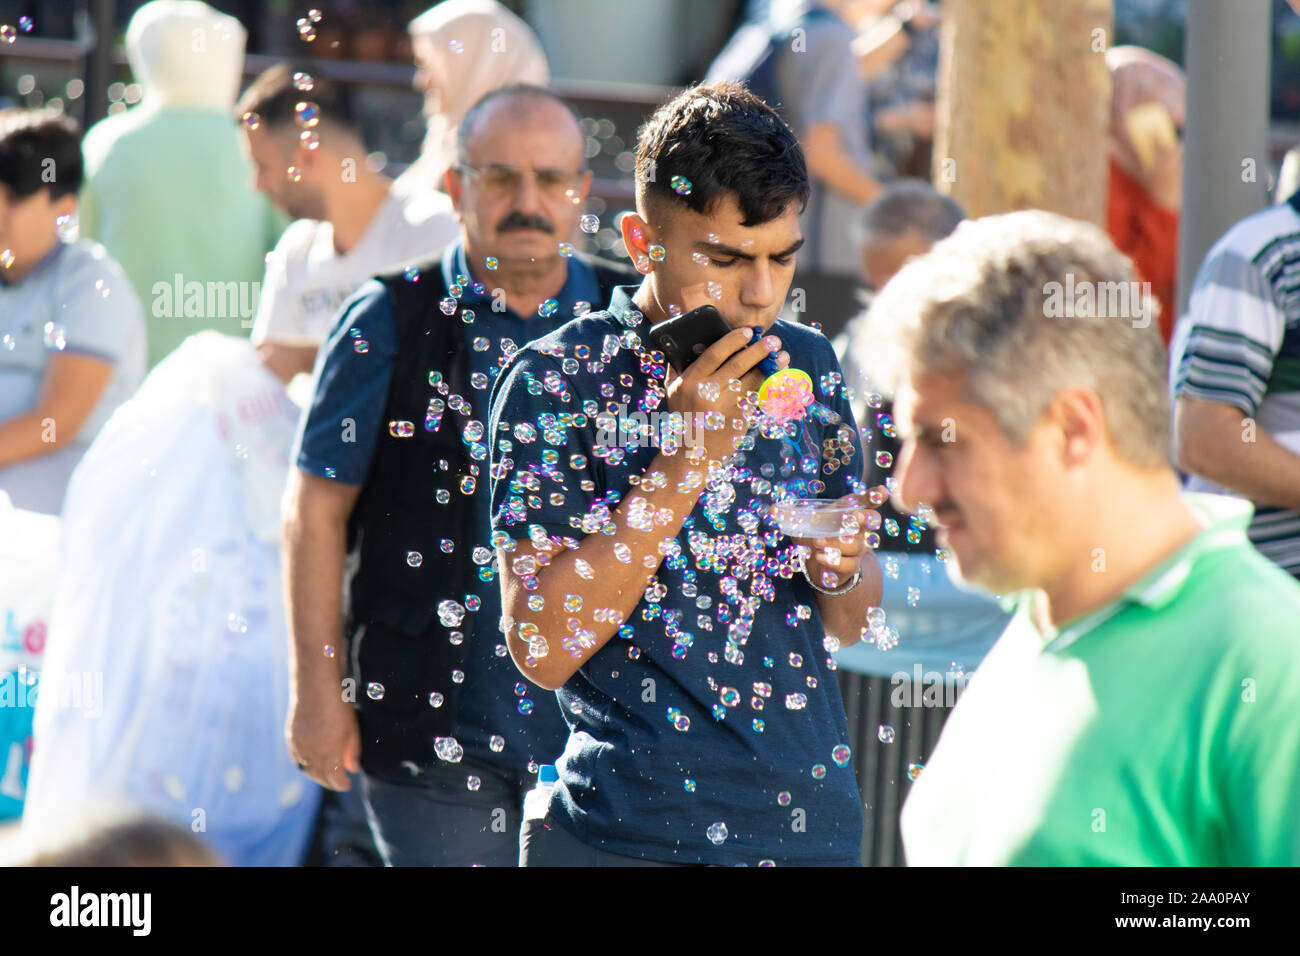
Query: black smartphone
point(683, 339)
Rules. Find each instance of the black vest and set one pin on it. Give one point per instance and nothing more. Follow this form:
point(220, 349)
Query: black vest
point(398, 639)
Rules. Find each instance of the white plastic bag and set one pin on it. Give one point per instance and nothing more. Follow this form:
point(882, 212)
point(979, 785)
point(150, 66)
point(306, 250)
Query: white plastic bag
point(170, 589)
point(29, 548)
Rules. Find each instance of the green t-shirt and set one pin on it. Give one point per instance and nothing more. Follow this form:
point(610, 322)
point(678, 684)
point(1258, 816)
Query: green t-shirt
point(169, 193)
point(1162, 730)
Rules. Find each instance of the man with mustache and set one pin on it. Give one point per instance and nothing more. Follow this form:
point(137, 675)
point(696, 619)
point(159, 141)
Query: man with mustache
point(392, 467)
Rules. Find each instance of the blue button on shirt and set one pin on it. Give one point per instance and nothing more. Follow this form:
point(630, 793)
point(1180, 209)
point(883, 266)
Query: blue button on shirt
point(337, 437)
point(673, 737)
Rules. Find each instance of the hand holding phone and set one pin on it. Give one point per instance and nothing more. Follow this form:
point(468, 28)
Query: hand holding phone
point(708, 366)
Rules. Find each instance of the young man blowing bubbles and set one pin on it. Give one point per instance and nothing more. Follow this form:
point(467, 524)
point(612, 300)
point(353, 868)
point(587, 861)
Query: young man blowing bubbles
point(651, 589)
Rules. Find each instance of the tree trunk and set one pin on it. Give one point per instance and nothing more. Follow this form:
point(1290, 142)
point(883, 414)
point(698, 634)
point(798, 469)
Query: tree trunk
point(1023, 106)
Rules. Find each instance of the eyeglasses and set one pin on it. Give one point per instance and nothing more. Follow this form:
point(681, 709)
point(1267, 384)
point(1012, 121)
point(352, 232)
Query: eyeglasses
point(502, 180)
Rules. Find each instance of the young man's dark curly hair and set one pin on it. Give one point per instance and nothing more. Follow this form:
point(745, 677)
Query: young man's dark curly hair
point(722, 139)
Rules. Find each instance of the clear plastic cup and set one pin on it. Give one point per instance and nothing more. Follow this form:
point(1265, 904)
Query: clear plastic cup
point(813, 517)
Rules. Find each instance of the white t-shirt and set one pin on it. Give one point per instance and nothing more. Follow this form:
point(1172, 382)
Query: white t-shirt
point(307, 280)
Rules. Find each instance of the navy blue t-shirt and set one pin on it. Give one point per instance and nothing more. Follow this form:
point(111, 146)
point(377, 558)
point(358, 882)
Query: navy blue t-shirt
point(352, 382)
point(711, 730)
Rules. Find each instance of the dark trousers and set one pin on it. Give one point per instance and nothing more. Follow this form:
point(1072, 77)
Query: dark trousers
point(543, 842)
point(437, 820)
point(342, 836)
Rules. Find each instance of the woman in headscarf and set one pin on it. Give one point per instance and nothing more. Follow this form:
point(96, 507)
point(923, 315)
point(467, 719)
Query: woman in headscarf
point(464, 49)
point(1148, 110)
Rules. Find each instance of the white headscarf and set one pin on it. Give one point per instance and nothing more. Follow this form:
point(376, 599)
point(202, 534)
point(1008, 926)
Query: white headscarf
point(1140, 76)
point(185, 54)
point(473, 47)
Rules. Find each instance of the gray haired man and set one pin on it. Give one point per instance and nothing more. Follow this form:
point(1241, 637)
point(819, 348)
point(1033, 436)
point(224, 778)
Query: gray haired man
point(1143, 706)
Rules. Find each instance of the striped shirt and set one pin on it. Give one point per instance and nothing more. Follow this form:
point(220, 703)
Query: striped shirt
point(1239, 344)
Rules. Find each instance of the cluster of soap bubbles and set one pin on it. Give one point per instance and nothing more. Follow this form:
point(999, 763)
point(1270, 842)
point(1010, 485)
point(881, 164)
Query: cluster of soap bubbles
point(307, 25)
point(9, 35)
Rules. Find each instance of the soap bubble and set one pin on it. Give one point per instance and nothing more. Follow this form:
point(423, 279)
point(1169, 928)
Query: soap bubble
point(375, 690)
point(414, 558)
point(885, 734)
point(306, 115)
point(681, 185)
point(448, 749)
point(451, 613)
point(819, 771)
point(496, 743)
point(547, 308)
point(566, 249)
point(472, 782)
point(841, 755)
point(55, 337)
point(589, 224)
point(717, 834)
point(783, 798)
point(914, 770)
point(303, 82)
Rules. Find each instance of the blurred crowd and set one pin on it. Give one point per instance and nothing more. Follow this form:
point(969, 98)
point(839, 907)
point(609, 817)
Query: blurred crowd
point(239, 549)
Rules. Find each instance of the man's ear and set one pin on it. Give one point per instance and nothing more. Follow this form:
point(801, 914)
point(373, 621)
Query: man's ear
point(451, 185)
point(634, 239)
point(1081, 417)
